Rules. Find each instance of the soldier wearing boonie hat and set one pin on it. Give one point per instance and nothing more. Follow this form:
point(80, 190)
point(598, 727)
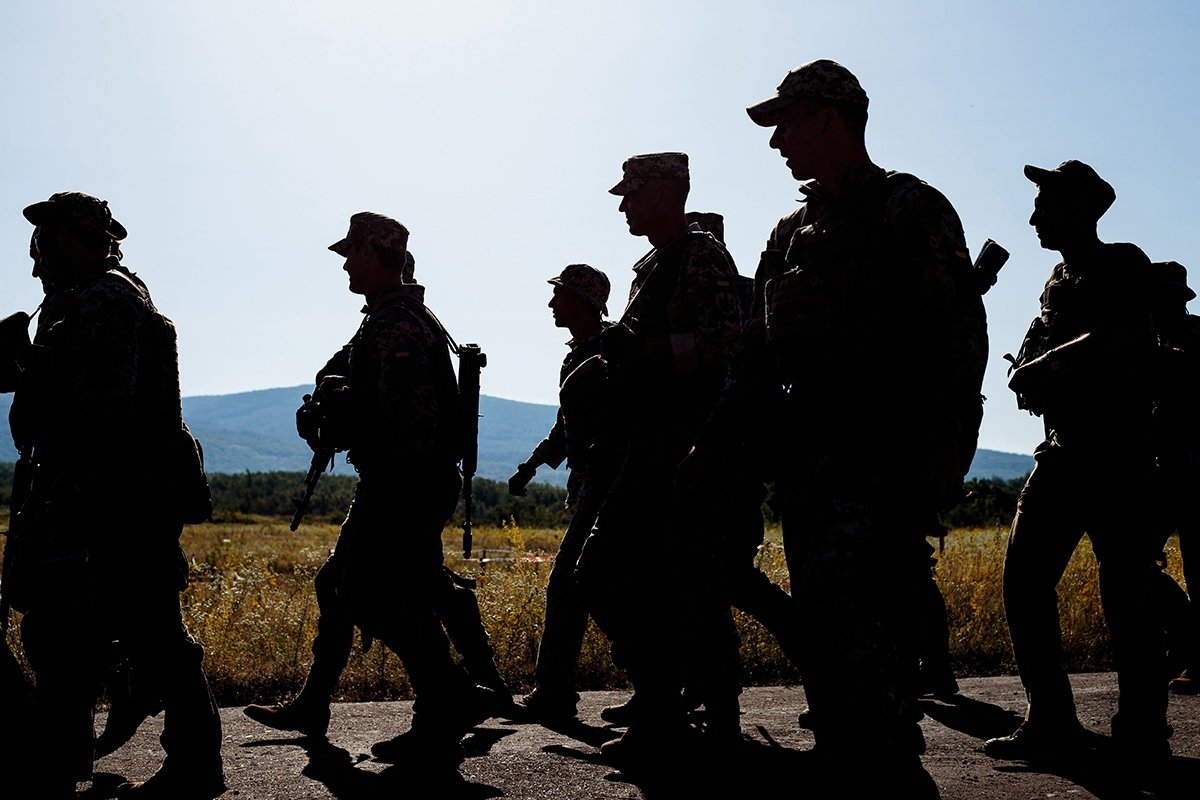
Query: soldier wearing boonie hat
point(78, 210)
point(590, 283)
point(367, 227)
point(580, 298)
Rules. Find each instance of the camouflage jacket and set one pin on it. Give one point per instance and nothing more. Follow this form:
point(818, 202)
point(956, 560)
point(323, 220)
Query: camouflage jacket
point(403, 413)
point(683, 297)
point(867, 315)
point(1098, 390)
point(565, 441)
point(101, 388)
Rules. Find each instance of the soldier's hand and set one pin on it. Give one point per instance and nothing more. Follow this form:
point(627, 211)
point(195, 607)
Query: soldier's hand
point(308, 422)
point(520, 479)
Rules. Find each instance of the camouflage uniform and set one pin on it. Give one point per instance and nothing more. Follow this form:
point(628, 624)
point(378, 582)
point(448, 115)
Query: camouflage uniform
point(1083, 369)
point(581, 415)
point(648, 563)
point(101, 389)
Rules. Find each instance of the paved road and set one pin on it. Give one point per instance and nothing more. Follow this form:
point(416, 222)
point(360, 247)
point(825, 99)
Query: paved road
point(527, 761)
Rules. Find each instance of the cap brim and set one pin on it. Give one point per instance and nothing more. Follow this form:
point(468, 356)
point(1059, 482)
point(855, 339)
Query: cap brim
point(766, 113)
point(340, 247)
point(626, 186)
point(1038, 175)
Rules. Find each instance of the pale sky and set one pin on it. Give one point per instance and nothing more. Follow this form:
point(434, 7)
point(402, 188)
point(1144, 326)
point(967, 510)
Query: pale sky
point(235, 139)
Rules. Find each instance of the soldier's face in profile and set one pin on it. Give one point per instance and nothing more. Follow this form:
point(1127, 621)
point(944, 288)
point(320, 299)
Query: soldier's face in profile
point(639, 207)
point(1052, 218)
point(797, 137)
point(367, 273)
point(569, 308)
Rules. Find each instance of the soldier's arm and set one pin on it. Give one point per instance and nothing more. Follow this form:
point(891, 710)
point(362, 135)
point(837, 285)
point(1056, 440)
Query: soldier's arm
point(708, 292)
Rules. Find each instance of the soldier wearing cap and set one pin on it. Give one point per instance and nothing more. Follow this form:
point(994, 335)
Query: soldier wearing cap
point(1082, 368)
point(667, 360)
point(866, 332)
point(389, 399)
point(99, 386)
point(579, 303)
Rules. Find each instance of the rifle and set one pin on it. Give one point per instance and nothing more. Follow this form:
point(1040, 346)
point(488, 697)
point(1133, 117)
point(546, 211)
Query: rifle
point(471, 359)
point(322, 460)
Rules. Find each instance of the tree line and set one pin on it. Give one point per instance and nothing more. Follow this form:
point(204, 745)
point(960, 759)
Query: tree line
point(990, 502)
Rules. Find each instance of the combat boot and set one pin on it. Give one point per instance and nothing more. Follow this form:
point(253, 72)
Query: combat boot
point(621, 715)
point(301, 716)
point(174, 783)
point(549, 706)
point(1186, 683)
point(1041, 743)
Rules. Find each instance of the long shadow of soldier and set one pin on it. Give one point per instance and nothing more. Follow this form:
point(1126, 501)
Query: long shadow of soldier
point(745, 768)
point(1096, 769)
point(360, 777)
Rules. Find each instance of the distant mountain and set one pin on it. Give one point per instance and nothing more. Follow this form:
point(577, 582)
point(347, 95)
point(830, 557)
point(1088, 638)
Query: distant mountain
point(256, 432)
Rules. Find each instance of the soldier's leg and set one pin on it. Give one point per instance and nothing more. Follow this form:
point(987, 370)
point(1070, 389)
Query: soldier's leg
point(308, 711)
point(936, 676)
point(566, 611)
point(1128, 574)
point(461, 617)
point(1045, 532)
point(858, 583)
point(171, 662)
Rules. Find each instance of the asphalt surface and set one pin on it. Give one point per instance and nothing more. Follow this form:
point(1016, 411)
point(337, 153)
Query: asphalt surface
point(523, 761)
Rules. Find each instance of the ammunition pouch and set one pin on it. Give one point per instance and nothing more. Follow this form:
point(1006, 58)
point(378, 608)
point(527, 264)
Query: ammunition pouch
point(190, 494)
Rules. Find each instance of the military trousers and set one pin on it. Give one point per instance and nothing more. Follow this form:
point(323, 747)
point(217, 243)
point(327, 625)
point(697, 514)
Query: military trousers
point(1068, 495)
point(858, 572)
point(390, 581)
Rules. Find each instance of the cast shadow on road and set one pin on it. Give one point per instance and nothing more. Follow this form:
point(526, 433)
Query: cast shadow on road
point(749, 768)
point(1098, 769)
point(350, 777)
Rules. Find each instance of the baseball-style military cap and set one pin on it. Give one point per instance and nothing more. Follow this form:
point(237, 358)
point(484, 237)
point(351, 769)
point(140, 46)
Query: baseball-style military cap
point(638, 169)
point(817, 80)
point(1077, 179)
point(590, 283)
point(381, 231)
point(76, 209)
point(710, 222)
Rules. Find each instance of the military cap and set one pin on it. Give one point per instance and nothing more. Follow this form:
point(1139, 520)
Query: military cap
point(376, 229)
point(817, 80)
point(709, 221)
point(638, 169)
point(588, 282)
point(1170, 278)
point(1079, 180)
point(76, 209)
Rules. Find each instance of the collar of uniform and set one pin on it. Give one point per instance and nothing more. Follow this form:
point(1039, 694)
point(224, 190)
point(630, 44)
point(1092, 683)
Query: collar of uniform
point(398, 291)
point(856, 177)
point(650, 258)
point(573, 343)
